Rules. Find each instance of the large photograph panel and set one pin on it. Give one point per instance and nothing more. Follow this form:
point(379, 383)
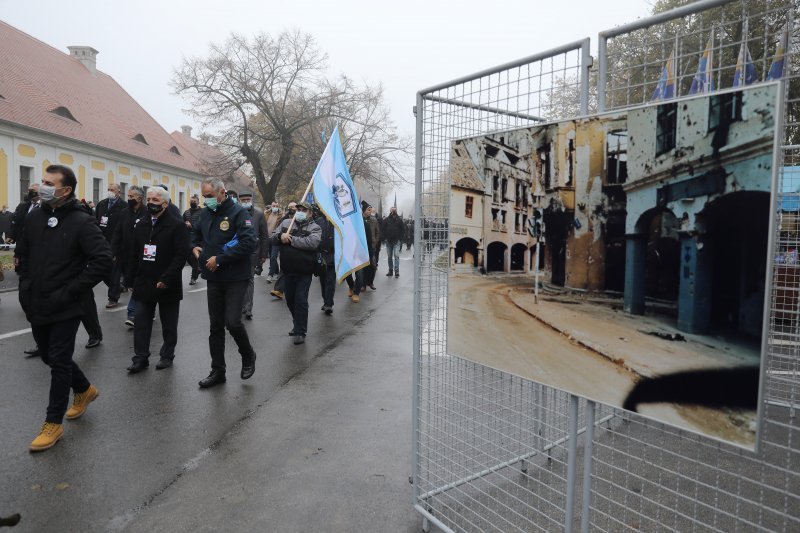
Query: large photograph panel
point(622, 257)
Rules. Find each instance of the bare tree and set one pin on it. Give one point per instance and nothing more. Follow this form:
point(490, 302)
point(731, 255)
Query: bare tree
point(270, 99)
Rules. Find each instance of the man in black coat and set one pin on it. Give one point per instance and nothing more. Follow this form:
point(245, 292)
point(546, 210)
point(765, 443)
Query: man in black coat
point(190, 218)
point(108, 213)
point(393, 231)
point(18, 220)
point(223, 242)
point(122, 242)
point(155, 263)
point(62, 256)
point(327, 280)
point(261, 252)
point(5, 226)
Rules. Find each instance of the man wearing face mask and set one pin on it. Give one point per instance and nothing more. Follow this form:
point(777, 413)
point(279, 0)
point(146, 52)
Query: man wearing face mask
point(274, 218)
point(190, 218)
point(298, 255)
point(107, 214)
point(62, 256)
point(259, 256)
point(224, 240)
point(155, 263)
point(277, 292)
point(122, 242)
point(30, 203)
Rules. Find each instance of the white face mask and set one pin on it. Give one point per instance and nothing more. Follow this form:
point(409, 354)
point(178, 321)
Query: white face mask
point(247, 205)
point(276, 209)
point(112, 195)
point(300, 216)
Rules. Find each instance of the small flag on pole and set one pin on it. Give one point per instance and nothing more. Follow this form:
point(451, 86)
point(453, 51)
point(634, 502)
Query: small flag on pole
point(336, 197)
point(703, 81)
point(745, 69)
point(666, 83)
point(776, 68)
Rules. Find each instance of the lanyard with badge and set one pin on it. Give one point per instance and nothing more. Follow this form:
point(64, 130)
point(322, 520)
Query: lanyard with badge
point(149, 253)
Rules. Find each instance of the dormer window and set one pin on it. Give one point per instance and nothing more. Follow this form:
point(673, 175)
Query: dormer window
point(175, 150)
point(63, 112)
point(140, 138)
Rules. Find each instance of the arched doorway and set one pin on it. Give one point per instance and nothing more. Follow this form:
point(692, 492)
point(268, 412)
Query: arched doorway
point(495, 257)
point(518, 256)
point(467, 251)
point(737, 235)
point(662, 259)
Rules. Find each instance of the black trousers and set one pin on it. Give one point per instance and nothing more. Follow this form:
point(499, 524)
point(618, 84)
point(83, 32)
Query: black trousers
point(90, 320)
point(327, 283)
point(195, 264)
point(225, 301)
point(296, 294)
point(369, 272)
point(114, 280)
point(168, 313)
point(56, 344)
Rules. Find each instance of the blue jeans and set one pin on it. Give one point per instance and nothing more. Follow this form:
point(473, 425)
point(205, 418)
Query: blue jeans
point(393, 253)
point(274, 249)
point(131, 308)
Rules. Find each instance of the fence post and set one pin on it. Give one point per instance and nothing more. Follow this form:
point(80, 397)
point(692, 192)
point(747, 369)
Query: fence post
point(587, 466)
point(418, 112)
point(572, 457)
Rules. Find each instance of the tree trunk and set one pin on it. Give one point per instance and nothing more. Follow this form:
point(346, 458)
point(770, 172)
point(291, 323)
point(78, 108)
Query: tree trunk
point(261, 179)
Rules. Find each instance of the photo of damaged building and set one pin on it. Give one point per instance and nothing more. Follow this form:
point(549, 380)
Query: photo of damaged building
point(668, 202)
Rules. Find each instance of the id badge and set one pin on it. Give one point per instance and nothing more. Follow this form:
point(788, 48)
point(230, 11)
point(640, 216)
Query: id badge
point(149, 252)
point(103, 222)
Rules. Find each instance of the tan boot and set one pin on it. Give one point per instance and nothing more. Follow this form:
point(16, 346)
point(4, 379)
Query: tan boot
point(48, 436)
point(350, 293)
point(81, 402)
point(356, 299)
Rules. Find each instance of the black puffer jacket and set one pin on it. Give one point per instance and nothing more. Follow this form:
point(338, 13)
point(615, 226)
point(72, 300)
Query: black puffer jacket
point(393, 229)
point(228, 234)
point(62, 255)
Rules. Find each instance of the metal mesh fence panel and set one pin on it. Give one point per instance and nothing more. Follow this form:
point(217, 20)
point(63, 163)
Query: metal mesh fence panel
point(490, 448)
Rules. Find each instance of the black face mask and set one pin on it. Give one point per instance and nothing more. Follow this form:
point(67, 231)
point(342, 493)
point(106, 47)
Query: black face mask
point(33, 196)
point(290, 212)
point(132, 204)
point(193, 205)
point(155, 208)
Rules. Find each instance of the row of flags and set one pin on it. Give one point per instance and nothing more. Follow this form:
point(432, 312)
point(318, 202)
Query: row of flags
point(703, 80)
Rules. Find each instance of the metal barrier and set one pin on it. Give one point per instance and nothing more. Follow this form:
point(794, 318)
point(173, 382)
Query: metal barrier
point(495, 452)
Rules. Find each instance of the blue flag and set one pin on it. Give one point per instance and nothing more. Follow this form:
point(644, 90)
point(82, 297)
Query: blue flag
point(665, 88)
point(745, 69)
point(776, 68)
point(336, 197)
point(703, 81)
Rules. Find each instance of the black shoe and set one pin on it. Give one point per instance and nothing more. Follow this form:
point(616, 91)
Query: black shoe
point(214, 378)
point(397, 275)
point(328, 310)
point(372, 287)
point(94, 343)
point(163, 363)
point(389, 274)
point(292, 333)
point(248, 316)
point(32, 351)
point(138, 365)
point(300, 339)
point(193, 282)
point(248, 366)
point(323, 308)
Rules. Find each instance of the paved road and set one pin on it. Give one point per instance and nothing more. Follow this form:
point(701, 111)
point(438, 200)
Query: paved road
point(155, 450)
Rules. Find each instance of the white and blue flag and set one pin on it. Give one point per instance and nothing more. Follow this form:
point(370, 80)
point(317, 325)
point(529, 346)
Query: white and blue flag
point(336, 197)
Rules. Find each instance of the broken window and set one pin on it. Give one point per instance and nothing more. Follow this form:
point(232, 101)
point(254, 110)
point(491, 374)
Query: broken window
point(724, 108)
point(495, 221)
point(505, 190)
point(666, 127)
point(571, 163)
point(468, 208)
point(617, 158)
point(502, 221)
point(544, 160)
point(516, 222)
point(496, 189)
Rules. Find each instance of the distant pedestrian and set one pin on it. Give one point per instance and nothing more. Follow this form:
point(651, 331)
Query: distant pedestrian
point(190, 218)
point(5, 226)
point(393, 232)
point(259, 255)
point(155, 263)
point(107, 214)
point(277, 291)
point(223, 242)
point(62, 256)
point(298, 255)
point(122, 242)
point(273, 219)
point(373, 232)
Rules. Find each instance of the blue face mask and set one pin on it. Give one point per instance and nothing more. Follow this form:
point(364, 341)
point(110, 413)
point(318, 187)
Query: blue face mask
point(234, 199)
point(211, 203)
point(300, 216)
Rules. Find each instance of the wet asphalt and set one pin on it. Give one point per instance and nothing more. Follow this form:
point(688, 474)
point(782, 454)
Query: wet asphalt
point(153, 447)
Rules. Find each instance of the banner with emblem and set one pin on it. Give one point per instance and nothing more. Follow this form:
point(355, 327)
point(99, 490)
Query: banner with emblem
point(334, 193)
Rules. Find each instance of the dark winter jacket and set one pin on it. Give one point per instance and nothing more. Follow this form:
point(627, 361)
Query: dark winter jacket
point(62, 255)
point(172, 248)
point(326, 244)
point(262, 233)
point(228, 234)
point(393, 229)
point(122, 241)
point(192, 216)
point(108, 217)
point(18, 220)
point(299, 256)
